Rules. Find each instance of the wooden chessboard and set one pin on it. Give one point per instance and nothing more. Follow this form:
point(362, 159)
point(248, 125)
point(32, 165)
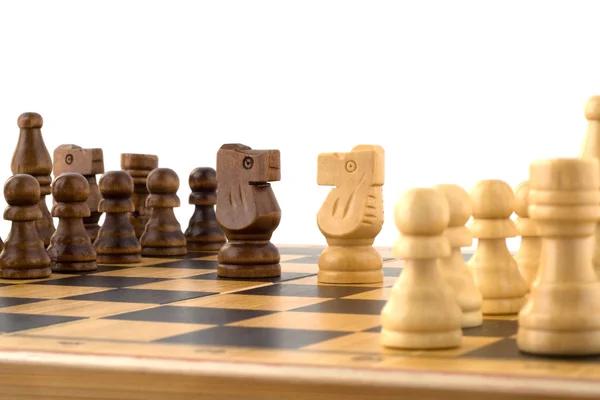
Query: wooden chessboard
point(171, 327)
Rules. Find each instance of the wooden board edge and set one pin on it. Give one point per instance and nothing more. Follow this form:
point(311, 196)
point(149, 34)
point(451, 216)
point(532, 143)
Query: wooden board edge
point(44, 375)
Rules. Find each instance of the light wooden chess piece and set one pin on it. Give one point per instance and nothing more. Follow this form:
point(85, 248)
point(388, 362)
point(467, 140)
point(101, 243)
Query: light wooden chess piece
point(453, 268)
point(421, 312)
point(562, 314)
point(494, 269)
point(528, 255)
point(352, 215)
point(591, 150)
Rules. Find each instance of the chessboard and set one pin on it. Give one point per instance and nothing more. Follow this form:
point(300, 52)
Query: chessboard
point(171, 328)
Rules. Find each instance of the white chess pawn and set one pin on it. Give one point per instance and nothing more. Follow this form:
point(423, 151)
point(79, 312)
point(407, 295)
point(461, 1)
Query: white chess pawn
point(528, 255)
point(421, 312)
point(494, 269)
point(562, 314)
point(453, 268)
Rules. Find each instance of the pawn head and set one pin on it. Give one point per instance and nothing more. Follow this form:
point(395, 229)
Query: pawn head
point(492, 199)
point(22, 190)
point(422, 211)
point(202, 179)
point(163, 181)
point(522, 199)
point(116, 185)
point(592, 109)
point(30, 120)
point(70, 187)
point(459, 203)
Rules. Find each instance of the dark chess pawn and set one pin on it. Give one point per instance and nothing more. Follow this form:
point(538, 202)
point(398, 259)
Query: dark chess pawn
point(139, 166)
point(70, 246)
point(203, 232)
point(31, 156)
point(24, 255)
point(117, 242)
point(162, 235)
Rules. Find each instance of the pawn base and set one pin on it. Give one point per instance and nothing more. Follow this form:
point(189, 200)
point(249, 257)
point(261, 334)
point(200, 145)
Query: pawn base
point(25, 273)
point(421, 340)
point(508, 306)
point(350, 264)
point(119, 258)
point(554, 343)
point(163, 251)
point(249, 271)
point(347, 277)
point(75, 266)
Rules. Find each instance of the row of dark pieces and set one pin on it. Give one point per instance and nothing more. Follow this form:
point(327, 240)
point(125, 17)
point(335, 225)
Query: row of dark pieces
point(238, 165)
point(70, 249)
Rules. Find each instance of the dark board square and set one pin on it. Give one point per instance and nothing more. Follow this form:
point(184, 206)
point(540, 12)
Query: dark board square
point(101, 281)
point(253, 337)
point(302, 260)
point(285, 276)
point(508, 349)
point(307, 291)
point(345, 306)
point(489, 328)
point(505, 348)
point(19, 322)
point(101, 268)
point(198, 254)
point(147, 296)
point(16, 301)
point(493, 328)
point(191, 315)
point(189, 264)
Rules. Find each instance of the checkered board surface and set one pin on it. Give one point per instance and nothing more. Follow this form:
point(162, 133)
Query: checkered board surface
point(178, 308)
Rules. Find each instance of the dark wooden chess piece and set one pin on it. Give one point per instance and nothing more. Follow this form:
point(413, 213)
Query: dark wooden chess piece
point(117, 242)
point(24, 255)
point(247, 211)
point(203, 232)
point(89, 163)
point(70, 246)
point(139, 166)
point(32, 157)
point(163, 235)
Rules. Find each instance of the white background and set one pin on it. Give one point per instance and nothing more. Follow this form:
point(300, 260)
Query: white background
point(454, 91)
